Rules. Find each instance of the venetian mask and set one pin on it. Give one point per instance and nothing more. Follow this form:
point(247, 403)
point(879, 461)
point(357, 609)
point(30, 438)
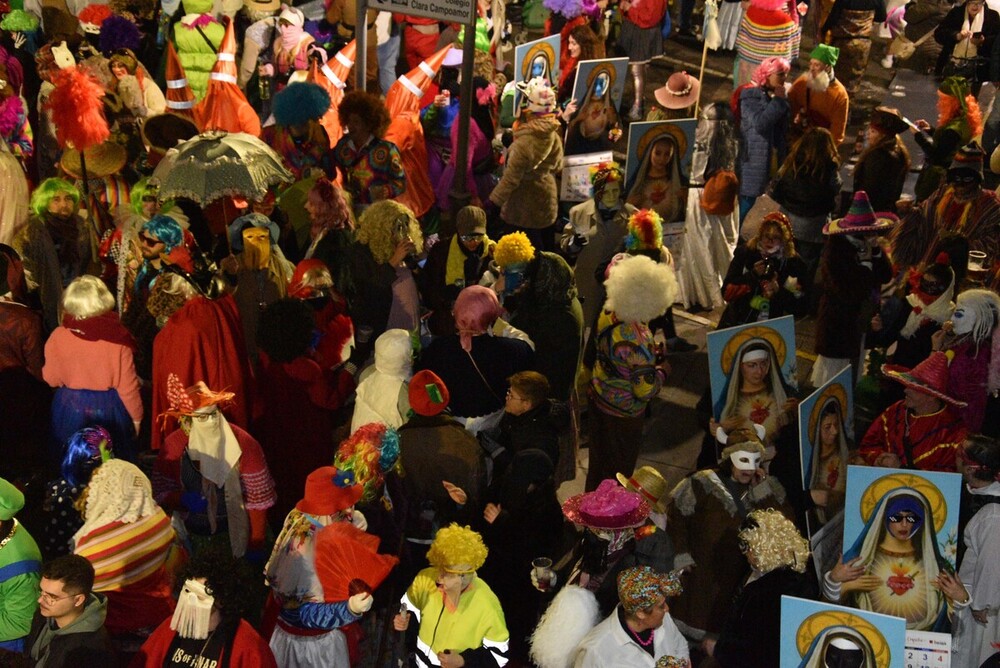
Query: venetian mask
point(256, 247)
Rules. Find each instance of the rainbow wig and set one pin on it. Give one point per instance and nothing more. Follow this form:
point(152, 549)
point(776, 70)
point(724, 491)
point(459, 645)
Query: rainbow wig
point(369, 453)
point(166, 230)
point(455, 545)
point(513, 249)
point(48, 189)
point(644, 231)
point(475, 310)
point(85, 451)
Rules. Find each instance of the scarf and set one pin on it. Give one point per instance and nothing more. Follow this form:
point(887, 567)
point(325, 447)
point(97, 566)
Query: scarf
point(937, 311)
point(65, 234)
point(105, 327)
point(965, 48)
point(457, 256)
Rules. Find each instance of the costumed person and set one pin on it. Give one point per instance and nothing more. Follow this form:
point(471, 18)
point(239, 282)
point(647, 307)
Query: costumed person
point(15, 130)
point(763, 114)
point(923, 429)
point(21, 563)
point(291, 48)
point(882, 167)
point(767, 278)
point(453, 264)
point(85, 451)
point(676, 99)
point(594, 125)
point(420, 37)
point(480, 177)
point(959, 121)
point(371, 167)
point(627, 373)
point(708, 243)
point(852, 267)
point(973, 373)
point(209, 622)
point(201, 340)
point(594, 233)
point(527, 193)
point(767, 31)
point(197, 38)
point(130, 542)
point(966, 35)
point(136, 88)
point(307, 631)
point(298, 137)
point(262, 273)
point(386, 243)
point(224, 106)
point(306, 402)
point(257, 24)
point(439, 118)
point(89, 359)
point(849, 26)
point(581, 44)
point(641, 40)
point(779, 566)
point(893, 565)
point(69, 627)
point(975, 622)
point(640, 629)
point(331, 232)
point(49, 59)
point(721, 498)
point(212, 471)
point(55, 246)
point(382, 387)
point(461, 621)
point(14, 209)
point(818, 98)
point(960, 206)
point(476, 360)
point(807, 187)
point(313, 284)
point(659, 183)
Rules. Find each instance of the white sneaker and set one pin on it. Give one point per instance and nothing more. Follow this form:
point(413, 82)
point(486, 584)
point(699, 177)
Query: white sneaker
point(887, 62)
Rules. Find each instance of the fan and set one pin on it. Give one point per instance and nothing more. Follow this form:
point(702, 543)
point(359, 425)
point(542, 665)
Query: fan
point(347, 561)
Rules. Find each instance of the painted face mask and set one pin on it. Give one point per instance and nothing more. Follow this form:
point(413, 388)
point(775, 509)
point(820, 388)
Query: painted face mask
point(612, 193)
point(745, 461)
point(843, 653)
point(256, 247)
point(193, 613)
point(963, 321)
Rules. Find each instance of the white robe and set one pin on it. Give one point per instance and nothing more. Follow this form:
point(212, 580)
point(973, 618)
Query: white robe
point(980, 572)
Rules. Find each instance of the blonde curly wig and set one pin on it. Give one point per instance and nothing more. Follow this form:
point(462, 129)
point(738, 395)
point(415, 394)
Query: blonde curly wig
point(775, 542)
point(377, 226)
point(454, 545)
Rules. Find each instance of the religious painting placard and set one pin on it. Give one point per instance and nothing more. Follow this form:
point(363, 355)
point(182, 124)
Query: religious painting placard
point(817, 634)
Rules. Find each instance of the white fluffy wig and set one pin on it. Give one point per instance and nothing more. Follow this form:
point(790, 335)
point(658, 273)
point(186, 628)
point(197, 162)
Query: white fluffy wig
point(640, 289)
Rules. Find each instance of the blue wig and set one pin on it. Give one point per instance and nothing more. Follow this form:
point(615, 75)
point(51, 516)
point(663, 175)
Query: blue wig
point(49, 188)
point(166, 230)
point(85, 451)
point(300, 103)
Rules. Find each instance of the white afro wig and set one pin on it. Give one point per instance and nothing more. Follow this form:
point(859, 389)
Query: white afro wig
point(640, 289)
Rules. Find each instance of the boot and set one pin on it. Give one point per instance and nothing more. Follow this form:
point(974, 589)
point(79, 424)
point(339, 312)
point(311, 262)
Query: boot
point(639, 81)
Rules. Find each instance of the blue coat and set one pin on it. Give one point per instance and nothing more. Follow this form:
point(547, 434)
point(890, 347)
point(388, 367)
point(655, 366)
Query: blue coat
point(763, 128)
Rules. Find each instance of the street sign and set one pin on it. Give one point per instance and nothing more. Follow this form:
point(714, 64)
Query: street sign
point(449, 11)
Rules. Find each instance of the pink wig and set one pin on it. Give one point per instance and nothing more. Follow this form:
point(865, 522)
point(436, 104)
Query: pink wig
point(476, 309)
point(767, 68)
point(333, 211)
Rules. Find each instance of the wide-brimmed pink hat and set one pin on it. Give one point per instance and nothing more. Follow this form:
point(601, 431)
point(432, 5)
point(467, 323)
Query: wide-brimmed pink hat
point(610, 506)
point(680, 91)
point(929, 377)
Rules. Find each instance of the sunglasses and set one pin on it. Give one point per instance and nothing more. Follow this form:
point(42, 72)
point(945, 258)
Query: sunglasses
point(909, 519)
point(148, 240)
point(475, 236)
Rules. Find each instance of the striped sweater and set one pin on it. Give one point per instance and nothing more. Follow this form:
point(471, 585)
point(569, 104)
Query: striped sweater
point(767, 33)
point(124, 554)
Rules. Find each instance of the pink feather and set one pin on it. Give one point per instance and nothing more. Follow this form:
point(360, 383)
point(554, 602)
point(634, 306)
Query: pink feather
point(77, 109)
point(11, 112)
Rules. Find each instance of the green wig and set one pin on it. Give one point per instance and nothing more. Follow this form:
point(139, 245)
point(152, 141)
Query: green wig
point(48, 189)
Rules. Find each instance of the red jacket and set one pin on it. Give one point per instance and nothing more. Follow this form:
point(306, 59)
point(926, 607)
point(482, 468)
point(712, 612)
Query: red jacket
point(248, 648)
point(647, 13)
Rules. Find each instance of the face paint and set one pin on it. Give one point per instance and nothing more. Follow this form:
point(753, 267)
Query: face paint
point(612, 193)
point(962, 321)
point(745, 461)
point(601, 85)
point(256, 247)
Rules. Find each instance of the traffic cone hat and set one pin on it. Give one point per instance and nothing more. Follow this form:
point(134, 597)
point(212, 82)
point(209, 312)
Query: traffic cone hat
point(405, 95)
point(225, 107)
point(333, 78)
point(180, 98)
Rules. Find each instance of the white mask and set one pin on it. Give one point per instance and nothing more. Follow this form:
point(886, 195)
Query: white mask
point(193, 613)
point(745, 461)
point(962, 321)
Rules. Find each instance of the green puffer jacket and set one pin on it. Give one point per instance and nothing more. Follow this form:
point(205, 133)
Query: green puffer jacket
point(197, 57)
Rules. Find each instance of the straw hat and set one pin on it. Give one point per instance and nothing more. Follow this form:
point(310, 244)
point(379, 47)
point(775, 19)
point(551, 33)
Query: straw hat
point(262, 5)
point(647, 482)
point(102, 160)
point(679, 92)
point(929, 377)
point(861, 219)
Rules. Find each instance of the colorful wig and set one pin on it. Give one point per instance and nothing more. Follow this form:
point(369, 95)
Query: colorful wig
point(369, 453)
point(513, 249)
point(455, 545)
point(644, 231)
point(85, 451)
point(475, 310)
point(767, 68)
point(48, 189)
point(166, 230)
point(333, 212)
point(118, 33)
point(380, 226)
point(299, 103)
point(603, 174)
point(776, 221)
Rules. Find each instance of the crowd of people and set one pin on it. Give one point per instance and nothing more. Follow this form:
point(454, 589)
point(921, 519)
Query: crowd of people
point(277, 389)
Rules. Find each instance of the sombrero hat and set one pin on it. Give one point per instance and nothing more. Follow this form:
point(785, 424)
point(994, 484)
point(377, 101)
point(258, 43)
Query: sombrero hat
point(609, 507)
point(102, 160)
point(679, 92)
point(540, 48)
point(929, 377)
point(817, 623)
point(658, 132)
point(861, 219)
point(906, 483)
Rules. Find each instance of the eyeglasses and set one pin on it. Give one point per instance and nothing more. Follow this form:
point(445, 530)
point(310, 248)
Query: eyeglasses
point(475, 236)
point(511, 395)
point(50, 599)
point(909, 519)
point(148, 240)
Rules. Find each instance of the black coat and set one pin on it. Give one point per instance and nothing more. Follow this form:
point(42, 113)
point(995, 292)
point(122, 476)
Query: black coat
point(742, 278)
point(946, 34)
point(753, 626)
point(881, 172)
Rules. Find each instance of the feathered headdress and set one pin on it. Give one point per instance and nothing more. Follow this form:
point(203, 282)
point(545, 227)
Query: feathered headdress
point(118, 32)
point(77, 109)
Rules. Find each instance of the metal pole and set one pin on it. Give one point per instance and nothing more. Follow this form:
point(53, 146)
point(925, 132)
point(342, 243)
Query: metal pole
point(459, 195)
point(361, 37)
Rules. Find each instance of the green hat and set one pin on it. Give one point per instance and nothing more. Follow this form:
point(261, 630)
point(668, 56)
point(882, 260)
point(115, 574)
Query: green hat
point(11, 500)
point(825, 54)
point(957, 87)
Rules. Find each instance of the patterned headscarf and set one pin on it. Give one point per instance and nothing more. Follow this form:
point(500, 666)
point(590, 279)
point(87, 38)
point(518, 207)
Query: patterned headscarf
point(640, 586)
point(603, 174)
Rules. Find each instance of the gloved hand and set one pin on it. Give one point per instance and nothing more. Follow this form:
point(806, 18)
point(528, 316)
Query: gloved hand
point(361, 603)
point(194, 502)
point(359, 521)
